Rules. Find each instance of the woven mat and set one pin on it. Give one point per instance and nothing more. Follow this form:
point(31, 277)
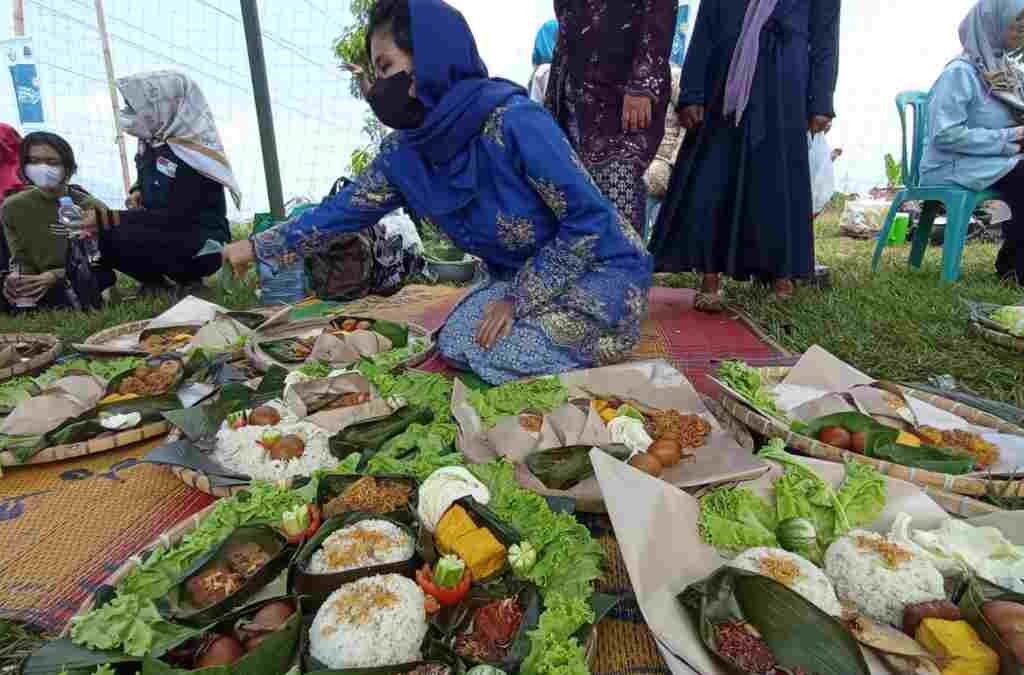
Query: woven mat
point(66, 526)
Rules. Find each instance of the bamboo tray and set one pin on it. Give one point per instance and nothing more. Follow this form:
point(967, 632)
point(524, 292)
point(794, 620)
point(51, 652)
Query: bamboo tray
point(37, 362)
point(120, 439)
point(997, 337)
point(200, 480)
point(263, 362)
point(972, 486)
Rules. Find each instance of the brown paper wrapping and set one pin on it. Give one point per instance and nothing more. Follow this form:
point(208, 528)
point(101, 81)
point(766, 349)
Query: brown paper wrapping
point(68, 398)
point(654, 383)
point(343, 351)
point(656, 527)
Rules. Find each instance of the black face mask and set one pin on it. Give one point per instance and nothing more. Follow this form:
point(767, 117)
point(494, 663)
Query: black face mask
point(389, 98)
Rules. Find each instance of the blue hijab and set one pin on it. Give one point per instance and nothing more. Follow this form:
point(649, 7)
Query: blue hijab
point(682, 28)
point(544, 45)
point(435, 167)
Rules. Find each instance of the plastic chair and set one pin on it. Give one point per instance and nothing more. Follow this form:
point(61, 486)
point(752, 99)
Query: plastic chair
point(960, 202)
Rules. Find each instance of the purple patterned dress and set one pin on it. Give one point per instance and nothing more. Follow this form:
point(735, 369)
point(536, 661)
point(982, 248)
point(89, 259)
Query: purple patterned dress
point(606, 50)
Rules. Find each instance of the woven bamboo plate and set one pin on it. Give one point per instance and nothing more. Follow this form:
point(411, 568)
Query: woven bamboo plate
point(262, 361)
point(997, 337)
point(200, 480)
point(59, 453)
point(37, 362)
point(961, 485)
point(175, 534)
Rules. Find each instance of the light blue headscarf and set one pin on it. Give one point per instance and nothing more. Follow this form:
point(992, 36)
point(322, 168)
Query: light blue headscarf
point(981, 35)
point(544, 45)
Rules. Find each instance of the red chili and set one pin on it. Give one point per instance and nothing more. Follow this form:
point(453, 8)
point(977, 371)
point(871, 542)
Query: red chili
point(314, 525)
point(446, 596)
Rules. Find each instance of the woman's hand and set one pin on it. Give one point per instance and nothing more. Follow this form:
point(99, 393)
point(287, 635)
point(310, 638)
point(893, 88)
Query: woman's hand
point(691, 117)
point(360, 76)
point(636, 113)
point(134, 200)
point(239, 255)
point(819, 124)
point(32, 284)
point(90, 224)
point(499, 317)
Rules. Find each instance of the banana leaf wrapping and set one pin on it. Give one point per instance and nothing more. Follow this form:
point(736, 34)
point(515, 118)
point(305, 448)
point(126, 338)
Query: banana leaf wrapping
point(201, 422)
point(367, 438)
point(333, 486)
point(291, 351)
point(276, 654)
point(177, 605)
point(972, 595)
point(317, 587)
point(881, 444)
point(562, 468)
point(172, 384)
point(798, 634)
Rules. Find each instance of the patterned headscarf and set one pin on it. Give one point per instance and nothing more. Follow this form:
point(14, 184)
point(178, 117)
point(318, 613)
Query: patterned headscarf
point(10, 140)
point(981, 35)
point(168, 107)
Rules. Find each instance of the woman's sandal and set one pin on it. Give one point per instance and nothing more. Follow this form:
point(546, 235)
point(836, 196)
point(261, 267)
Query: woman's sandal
point(710, 303)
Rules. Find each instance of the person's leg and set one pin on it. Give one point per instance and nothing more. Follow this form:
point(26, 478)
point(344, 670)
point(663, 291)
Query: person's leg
point(1010, 260)
point(151, 256)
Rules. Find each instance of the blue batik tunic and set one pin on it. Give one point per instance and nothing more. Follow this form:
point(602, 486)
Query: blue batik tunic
point(575, 270)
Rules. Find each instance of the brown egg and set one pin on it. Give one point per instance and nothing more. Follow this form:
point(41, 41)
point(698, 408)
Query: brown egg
point(349, 325)
point(273, 615)
point(222, 651)
point(667, 452)
point(364, 325)
point(264, 416)
point(859, 441)
point(289, 447)
point(646, 463)
point(837, 437)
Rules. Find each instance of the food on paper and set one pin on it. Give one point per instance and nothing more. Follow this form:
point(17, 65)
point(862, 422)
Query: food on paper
point(377, 621)
point(370, 495)
point(880, 577)
point(649, 464)
point(151, 380)
point(368, 543)
point(794, 572)
point(300, 448)
point(1007, 618)
point(264, 416)
point(542, 395)
point(747, 382)
point(667, 452)
point(161, 343)
point(958, 647)
point(985, 453)
point(443, 488)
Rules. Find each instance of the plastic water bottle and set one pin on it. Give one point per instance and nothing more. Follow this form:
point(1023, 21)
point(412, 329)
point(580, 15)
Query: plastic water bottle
point(70, 216)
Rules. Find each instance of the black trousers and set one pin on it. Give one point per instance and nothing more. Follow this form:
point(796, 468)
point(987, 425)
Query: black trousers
point(1010, 261)
point(151, 255)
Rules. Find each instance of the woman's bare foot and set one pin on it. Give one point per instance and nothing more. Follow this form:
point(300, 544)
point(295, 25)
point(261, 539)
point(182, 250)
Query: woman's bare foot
point(710, 299)
point(784, 289)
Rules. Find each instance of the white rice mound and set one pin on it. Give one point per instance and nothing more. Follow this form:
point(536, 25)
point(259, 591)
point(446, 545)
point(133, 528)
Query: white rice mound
point(863, 576)
point(368, 543)
point(811, 582)
point(377, 621)
point(238, 450)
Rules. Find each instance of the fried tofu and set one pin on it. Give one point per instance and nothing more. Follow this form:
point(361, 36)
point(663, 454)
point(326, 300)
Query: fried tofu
point(482, 553)
point(455, 523)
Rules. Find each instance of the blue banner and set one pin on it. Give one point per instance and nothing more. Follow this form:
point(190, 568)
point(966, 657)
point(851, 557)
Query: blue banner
point(25, 79)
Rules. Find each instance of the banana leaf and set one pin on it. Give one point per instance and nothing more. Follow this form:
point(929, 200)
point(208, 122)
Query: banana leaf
point(177, 606)
point(368, 438)
point(22, 446)
point(972, 595)
point(317, 587)
point(114, 384)
point(288, 350)
point(251, 320)
point(204, 421)
point(798, 633)
point(60, 656)
point(562, 468)
point(880, 443)
point(276, 654)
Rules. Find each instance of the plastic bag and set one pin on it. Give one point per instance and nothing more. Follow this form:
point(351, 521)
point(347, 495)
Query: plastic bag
point(823, 180)
point(398, 222)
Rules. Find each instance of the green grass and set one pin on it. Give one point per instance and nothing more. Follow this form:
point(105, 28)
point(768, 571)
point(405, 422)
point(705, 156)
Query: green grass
point(900, 324)
point(16, 644)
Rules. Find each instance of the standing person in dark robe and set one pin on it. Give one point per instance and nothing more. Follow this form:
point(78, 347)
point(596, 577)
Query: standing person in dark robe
point(758, 75)
point(609, 89)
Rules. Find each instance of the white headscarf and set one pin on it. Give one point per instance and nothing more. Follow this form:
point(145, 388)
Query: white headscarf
point(981, 35)
point(168, 107)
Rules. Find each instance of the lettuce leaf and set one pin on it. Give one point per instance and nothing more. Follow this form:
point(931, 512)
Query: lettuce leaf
point(541, 395)
point(553, 649)
point(862, 494)
point(735, 519)
point(127, 623)
point(807, 485)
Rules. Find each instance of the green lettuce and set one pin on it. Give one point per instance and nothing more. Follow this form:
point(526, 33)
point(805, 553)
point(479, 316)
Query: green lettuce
point(735, 519)
point(16, 391)
point(128, 623)
point(862, 494)
point(746, 382)
point(806, 494)
point(541, 395)
point(553, 649)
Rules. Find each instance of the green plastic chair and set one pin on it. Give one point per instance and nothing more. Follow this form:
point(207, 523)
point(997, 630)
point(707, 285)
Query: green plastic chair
point(960, 202)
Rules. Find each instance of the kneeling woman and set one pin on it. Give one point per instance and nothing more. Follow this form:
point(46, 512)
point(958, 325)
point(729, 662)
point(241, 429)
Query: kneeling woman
point(38, 244)
point(178, 203)
point(569, 276)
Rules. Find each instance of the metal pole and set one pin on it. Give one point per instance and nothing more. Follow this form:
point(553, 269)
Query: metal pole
point(101, 25)
point(18, 7)
point(264, 110)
